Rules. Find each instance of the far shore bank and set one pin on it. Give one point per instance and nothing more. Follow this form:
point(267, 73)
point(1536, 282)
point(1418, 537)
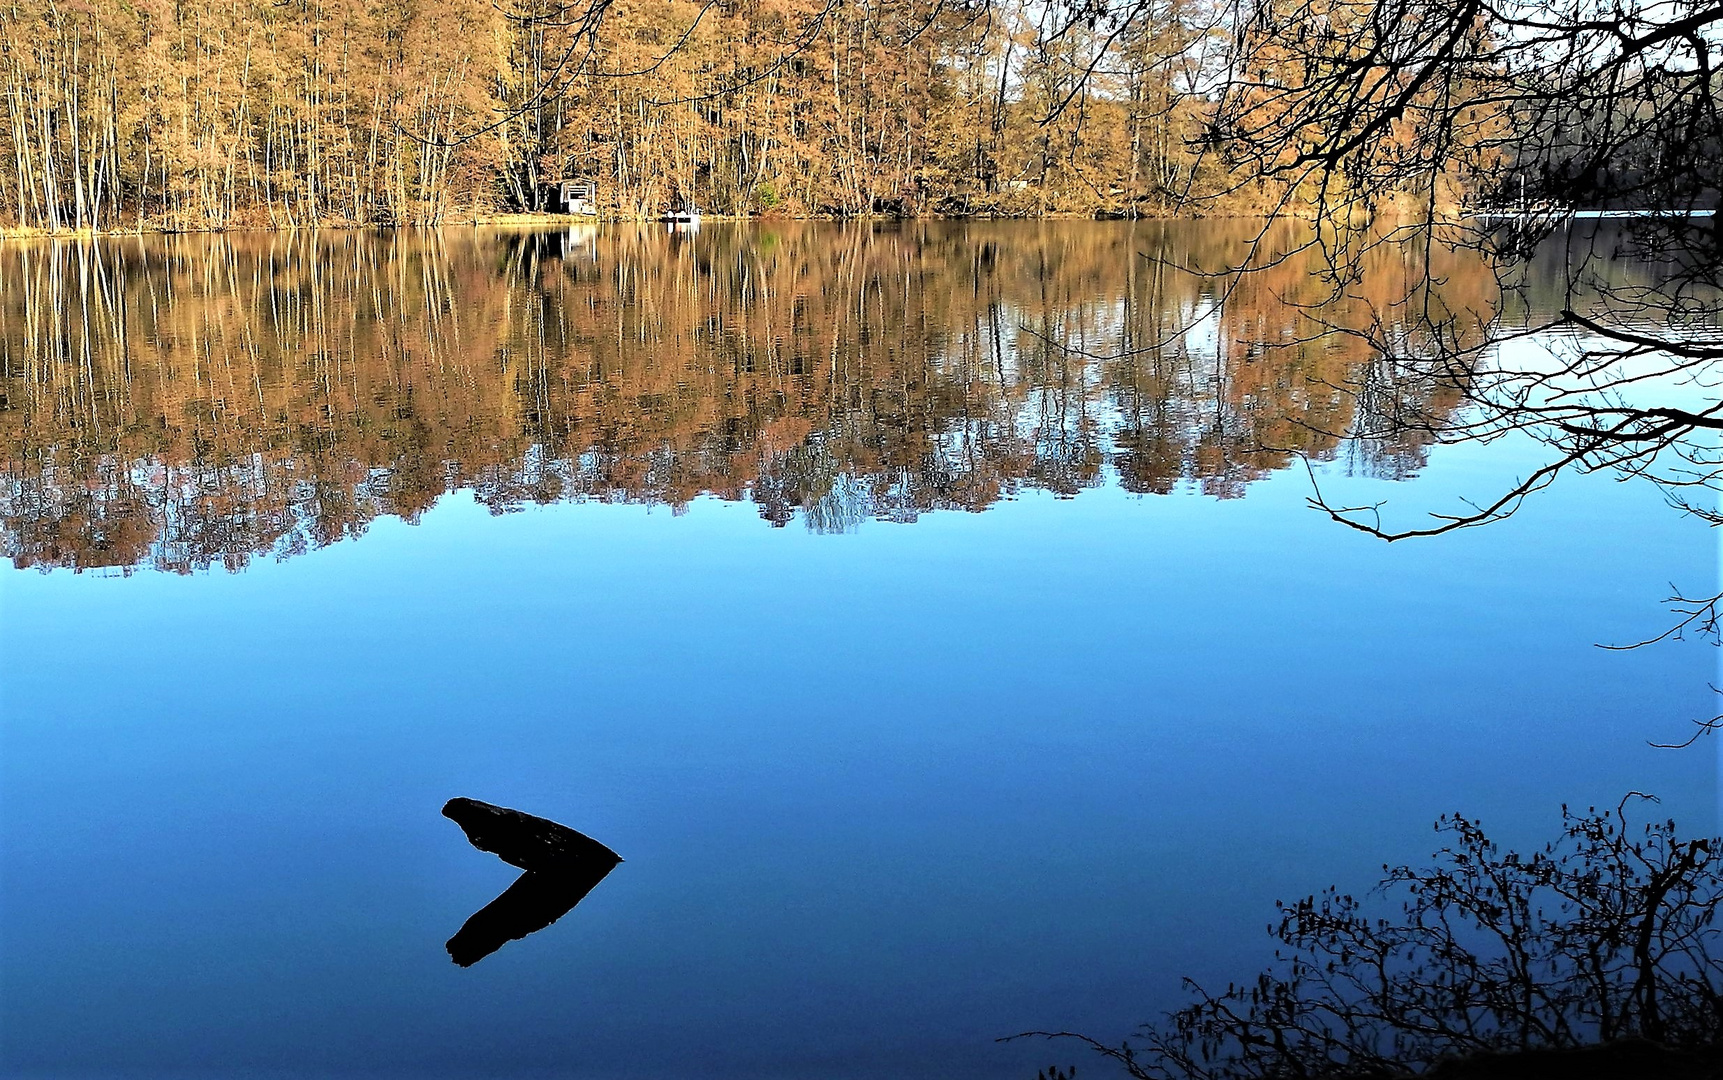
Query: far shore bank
point(535, 221)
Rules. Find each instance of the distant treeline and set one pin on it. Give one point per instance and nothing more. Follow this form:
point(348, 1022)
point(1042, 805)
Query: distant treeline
point(190, 114)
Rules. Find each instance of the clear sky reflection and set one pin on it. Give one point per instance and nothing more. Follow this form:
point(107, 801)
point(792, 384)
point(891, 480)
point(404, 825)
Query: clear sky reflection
point(883, 794)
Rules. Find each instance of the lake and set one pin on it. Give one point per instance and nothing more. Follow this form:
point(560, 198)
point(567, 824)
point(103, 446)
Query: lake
point(931, 616)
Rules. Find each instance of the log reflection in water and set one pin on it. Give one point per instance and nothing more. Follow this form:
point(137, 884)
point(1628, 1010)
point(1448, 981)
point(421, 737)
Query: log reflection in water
point(186, 401)
point(533, 902)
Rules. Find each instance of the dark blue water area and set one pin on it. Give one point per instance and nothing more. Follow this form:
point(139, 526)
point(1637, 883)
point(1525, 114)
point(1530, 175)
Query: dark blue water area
point(882, 797)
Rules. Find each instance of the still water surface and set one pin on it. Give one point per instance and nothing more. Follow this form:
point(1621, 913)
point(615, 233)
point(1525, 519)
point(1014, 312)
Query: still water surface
point(933, 682)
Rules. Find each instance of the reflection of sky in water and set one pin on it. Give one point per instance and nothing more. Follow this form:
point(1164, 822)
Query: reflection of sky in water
point(882, 796)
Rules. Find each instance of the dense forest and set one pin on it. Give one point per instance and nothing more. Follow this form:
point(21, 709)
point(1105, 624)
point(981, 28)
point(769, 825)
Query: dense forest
point(192, 114)
point(183, 401)
point(213, 114)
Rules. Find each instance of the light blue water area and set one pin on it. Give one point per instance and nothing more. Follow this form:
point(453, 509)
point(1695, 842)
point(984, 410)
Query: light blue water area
point(882, 796)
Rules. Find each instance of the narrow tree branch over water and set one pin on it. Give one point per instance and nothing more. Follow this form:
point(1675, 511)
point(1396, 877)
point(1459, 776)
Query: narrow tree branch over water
point(1501, 127)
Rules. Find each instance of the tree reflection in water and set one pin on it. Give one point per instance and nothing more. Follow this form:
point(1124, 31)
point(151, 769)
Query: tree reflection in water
point(186, 401)
point(1594, 957)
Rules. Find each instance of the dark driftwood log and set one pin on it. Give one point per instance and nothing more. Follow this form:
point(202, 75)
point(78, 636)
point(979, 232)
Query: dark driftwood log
point(561, 866)
point(531, 843)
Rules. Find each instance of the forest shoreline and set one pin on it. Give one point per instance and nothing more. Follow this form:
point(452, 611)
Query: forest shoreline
point(526, 221)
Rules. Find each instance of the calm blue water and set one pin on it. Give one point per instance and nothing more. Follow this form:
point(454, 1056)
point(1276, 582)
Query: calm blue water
point(883, 796)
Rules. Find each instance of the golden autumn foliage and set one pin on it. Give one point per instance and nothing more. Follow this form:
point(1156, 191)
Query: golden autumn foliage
point(202, 114)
